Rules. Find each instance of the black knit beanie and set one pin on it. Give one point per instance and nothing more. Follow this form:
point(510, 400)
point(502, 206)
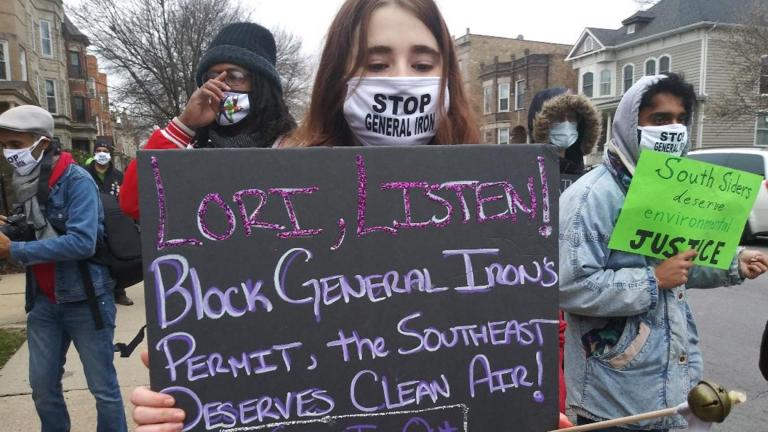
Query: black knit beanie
point(245, 44)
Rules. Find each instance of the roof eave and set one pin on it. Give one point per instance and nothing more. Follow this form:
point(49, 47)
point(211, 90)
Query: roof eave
point(665, 34)
point(651, 37)
point(570, 56)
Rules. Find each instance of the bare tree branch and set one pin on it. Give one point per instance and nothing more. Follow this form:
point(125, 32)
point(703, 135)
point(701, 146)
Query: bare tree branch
point(748, 53)
point(153, 47)
point(294, 68)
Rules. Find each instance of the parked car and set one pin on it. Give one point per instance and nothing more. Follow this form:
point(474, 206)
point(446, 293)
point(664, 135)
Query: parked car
point(750, 159)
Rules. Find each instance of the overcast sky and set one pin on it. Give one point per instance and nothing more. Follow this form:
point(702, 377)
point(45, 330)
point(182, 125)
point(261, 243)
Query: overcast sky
point(558, 21)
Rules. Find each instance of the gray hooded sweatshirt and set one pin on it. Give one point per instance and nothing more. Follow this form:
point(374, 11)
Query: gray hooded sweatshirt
point(625, 136)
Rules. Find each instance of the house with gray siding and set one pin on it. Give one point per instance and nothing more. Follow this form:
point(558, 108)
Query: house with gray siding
point(688, 37)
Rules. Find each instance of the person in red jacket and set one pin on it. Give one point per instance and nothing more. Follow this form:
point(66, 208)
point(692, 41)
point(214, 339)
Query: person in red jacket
point(238, 104)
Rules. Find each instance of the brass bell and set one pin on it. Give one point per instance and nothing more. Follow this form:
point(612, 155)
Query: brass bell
point(709, 402)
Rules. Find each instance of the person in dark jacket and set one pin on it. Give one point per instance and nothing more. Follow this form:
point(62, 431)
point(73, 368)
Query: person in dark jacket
point(571, 123)
point(109, 179)
point(568, 121)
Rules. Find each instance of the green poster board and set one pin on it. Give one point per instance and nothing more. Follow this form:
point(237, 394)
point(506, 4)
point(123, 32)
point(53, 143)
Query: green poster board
point(678, 204)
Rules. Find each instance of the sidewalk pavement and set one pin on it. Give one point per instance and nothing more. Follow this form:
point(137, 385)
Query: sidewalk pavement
point(16, 408)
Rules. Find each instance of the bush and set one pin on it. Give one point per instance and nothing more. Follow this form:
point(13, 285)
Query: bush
point(10, 341)
point(81, 157)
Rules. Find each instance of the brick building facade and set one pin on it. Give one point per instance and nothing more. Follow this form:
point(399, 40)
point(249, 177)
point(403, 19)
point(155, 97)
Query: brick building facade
point(43, 62)
point(82, 129)
point(501, 75)
point(98, 94)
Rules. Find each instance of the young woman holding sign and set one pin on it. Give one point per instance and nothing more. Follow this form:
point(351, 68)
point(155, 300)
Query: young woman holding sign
point(398, 85)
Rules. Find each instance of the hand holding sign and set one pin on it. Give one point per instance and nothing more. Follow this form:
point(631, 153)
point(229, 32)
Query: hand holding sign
point(154, 411)
point(752, 264)
point(674, 271)
point(678, 204)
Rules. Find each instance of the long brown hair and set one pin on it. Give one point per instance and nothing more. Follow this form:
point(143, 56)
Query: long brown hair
point(324, 124)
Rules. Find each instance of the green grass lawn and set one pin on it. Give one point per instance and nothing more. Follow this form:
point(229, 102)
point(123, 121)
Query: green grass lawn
point(10, 341)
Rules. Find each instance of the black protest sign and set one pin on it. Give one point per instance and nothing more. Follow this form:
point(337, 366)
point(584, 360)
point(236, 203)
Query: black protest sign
point(354, 289)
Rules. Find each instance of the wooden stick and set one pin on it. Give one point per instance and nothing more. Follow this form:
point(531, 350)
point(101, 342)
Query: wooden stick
point(621, 421)
point(736, 397)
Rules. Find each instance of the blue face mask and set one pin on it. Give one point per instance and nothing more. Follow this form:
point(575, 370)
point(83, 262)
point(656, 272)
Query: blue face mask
point(564, 134)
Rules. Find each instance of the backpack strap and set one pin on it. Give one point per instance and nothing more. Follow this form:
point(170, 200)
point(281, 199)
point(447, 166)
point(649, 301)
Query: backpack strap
point(126, 350)
point(90, 292)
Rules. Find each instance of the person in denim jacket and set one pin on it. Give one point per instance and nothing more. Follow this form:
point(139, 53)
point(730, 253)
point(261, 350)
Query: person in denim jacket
point(60, 311)
point(631, 343)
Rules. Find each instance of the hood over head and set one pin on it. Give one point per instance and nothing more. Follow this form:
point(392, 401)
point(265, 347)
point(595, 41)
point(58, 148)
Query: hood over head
point(556, 107)
point(538, 102)
point(625, 141)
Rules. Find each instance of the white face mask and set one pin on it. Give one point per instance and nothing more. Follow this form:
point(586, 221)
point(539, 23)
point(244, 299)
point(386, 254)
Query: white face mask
point(671, 139)
point(102, 158)
point(564, 134)
point(394, 111)
point(234, 108)
point(22, 160)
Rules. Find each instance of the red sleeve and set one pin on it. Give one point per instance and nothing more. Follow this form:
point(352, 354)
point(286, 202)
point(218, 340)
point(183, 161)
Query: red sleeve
point(129, 192)
point(174, 136)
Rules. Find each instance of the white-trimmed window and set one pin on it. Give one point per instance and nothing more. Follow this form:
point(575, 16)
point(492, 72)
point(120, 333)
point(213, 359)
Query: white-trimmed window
point(504, 97)
point(589, 44)
point(50, 96)
point(46, 39)
point(629, 76)
point(665, 64)
point(631, 29)
point(605, 82)
point(5, 64)
point(761, 136)
point(487, 100)
point(520, 94)
point(91, 87)
point(650, 67)
point(23, 63)
point(503, 136)
point(588, 84)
